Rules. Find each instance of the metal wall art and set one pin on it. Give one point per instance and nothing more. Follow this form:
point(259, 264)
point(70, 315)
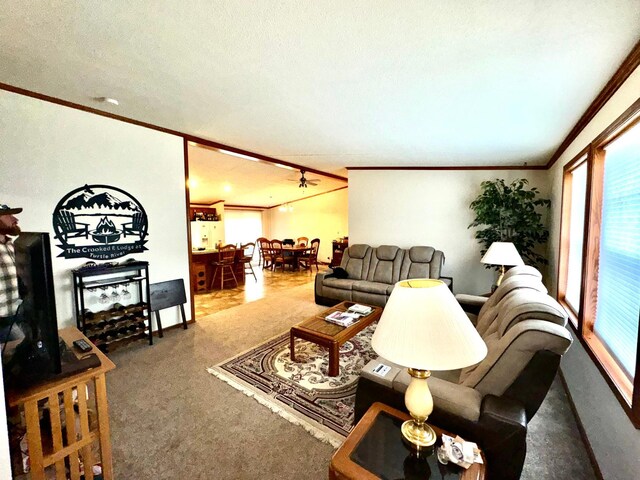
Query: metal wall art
point(100, 222)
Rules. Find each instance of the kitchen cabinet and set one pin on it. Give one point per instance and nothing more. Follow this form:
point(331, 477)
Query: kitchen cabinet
point(203, 259)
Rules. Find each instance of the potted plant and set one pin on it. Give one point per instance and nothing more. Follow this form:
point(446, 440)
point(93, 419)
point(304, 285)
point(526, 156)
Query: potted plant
point(511, 213)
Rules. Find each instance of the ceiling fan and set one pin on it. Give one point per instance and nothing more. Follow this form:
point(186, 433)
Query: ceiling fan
point(304, 182)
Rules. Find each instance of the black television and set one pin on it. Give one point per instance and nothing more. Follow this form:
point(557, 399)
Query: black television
point(37, 356)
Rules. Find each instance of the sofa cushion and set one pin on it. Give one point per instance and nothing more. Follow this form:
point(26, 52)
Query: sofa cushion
point(522, 270)
point(489, 310)
point(386, 261)
point(370, 287)
point(369, 298)
point(526, 305)
point(508, 355)
point(417, 263)
point(356, 260)
point(340, 283)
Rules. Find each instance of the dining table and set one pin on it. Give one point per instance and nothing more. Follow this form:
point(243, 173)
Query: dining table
point(297, 251)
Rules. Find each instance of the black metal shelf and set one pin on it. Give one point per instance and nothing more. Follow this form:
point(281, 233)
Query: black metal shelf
point(110, 282)
point(106, 323)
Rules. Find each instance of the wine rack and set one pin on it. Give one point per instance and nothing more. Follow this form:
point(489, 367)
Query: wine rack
point(116, 318)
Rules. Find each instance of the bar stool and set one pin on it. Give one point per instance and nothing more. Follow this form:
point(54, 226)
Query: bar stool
point(247, 257)
point(226, 261)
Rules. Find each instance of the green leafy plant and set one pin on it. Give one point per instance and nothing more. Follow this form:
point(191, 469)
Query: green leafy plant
point(511, 213)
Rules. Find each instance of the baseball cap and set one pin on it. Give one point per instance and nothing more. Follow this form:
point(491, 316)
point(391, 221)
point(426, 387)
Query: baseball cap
point(7, 210)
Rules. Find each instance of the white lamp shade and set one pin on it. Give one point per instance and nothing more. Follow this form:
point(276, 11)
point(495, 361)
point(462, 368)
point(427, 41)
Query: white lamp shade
point(423, 327)
point(502, 253)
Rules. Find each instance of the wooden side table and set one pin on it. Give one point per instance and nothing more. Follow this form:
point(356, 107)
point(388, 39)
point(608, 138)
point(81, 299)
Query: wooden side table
point(52, 450)
point(375, 449)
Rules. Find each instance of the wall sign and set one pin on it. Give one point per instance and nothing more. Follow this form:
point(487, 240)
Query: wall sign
point(100, 222)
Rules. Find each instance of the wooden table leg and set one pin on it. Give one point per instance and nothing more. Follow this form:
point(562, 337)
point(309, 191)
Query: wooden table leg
point(334, 359)
point(292, 347)
point(103, 426)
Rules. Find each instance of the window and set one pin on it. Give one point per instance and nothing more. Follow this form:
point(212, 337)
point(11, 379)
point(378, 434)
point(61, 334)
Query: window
point(599, 274)
point(242, 226)
point(618, 300)
point(576, 234)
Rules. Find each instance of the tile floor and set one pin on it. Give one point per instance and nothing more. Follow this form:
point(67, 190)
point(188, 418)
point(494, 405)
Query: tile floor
point(267, 281)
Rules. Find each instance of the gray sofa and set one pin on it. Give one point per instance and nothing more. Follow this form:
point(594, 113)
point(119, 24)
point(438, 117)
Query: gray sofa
point(493, 401)
point(374, 271)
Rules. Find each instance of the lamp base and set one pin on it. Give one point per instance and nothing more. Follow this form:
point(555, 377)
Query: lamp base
point(419, 435)
point(501, 276)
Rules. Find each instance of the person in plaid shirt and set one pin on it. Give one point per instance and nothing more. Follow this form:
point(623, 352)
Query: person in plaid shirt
point(9, 295)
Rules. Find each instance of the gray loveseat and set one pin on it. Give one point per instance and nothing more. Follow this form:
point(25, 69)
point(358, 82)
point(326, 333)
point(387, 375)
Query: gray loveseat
point(374, 271)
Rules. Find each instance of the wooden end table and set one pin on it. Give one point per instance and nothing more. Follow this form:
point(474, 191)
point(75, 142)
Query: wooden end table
point(329, 335)
point(375, 449)
point(77, 440)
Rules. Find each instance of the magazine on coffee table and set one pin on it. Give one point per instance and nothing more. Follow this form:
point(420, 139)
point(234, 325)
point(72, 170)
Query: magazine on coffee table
point(360, 309)
point(344, 319)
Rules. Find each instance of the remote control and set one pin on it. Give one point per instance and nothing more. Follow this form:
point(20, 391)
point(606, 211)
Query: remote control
point(82, 345)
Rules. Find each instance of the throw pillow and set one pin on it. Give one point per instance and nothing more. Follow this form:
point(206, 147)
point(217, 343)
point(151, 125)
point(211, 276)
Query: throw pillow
point(339, 273)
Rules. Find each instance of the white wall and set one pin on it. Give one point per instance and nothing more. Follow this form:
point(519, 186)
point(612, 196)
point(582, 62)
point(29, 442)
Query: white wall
point(428, 207)
point(614, 440)
point(47, 150)
point(323, 217)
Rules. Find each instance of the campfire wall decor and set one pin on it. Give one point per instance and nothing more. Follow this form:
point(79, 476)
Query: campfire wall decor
point(100, 222)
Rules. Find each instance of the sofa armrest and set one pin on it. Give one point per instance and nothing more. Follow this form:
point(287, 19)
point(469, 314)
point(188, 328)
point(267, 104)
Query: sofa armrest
point(448, 281)
point(473, 300)
point(471, 303)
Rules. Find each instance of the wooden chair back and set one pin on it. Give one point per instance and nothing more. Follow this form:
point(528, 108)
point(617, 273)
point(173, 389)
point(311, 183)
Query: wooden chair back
point(227, 254)
point(304, 241)
point(247, 251)
point(276, 248)
point(315, 246)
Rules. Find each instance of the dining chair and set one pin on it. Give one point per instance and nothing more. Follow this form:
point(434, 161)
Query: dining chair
point(279, 257)
point(302, 241)
point(312, 257)
point(225, 262)
point(248, 250)
point(264, 250)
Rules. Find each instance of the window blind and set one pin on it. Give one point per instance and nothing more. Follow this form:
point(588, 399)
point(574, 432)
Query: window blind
point(618, 301)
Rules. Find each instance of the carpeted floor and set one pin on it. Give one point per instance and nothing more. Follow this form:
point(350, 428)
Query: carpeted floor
point(302, 391)
point(170, 419)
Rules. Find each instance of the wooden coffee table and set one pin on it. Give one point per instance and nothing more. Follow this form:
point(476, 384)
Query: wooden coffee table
point(317, 330)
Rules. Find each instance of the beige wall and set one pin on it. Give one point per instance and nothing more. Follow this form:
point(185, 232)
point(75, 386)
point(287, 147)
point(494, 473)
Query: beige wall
point(614, 440)
point(323, 216)
point(428, 207)
point(47, 150)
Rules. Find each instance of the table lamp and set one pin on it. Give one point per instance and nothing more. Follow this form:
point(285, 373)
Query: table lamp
point(502, 253)
point(424, 328)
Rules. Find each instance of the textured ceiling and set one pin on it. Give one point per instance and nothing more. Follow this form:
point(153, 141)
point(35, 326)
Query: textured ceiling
point(331, 84)
point(214, 176)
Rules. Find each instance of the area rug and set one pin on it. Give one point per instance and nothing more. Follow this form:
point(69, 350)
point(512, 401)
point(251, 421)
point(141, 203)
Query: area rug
point(301, 391)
